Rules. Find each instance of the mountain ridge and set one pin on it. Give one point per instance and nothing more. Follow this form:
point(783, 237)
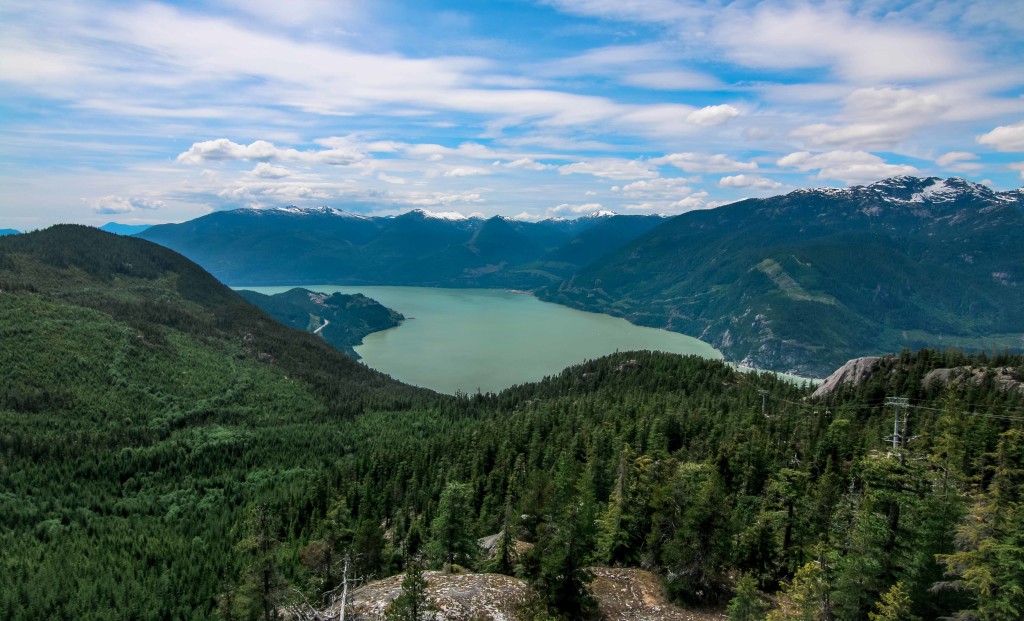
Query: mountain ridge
point(825, 275)
point(291, 245)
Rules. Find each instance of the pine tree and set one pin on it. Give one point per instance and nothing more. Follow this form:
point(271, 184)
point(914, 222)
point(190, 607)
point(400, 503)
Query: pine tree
point(263, 583)
point(452, 541)
point(989, 560)
point(894, 606)
point(411, 604)
point(748, 603)
point(806, 597)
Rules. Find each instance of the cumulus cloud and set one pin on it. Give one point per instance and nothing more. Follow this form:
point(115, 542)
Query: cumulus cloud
point(527, 163)
point(1019, 167)
point(712, 115)
point(264, 170)
point(846, 166)
point(662, 188)
point(702, 163)
point(566, 208)
point(1005, 138)
point(756, 182)
point(263, 151)
point(113, 204)
point(697, 200)
point(610, 168)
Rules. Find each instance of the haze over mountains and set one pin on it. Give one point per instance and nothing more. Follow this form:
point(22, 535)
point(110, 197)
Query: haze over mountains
point(326, 245)
point(799, 283)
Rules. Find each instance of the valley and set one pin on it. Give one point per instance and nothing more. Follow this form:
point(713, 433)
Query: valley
point(797, 283)
point(534, 310)
point(170, 451)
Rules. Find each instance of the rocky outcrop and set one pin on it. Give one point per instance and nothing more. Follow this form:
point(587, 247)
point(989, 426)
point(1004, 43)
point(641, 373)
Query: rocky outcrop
point(854, 372)
point(623, 594)
point(453, 597)
point(631, 594)
point(1009, 378)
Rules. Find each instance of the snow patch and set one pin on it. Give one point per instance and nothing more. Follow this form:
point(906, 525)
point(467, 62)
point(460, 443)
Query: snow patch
point(441, 215)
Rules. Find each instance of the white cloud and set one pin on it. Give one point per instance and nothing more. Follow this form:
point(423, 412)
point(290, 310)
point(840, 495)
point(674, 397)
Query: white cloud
point(846, 166)
point(1005, 138)
point(749, 181)
point(391, 179)
point(465, 171)
point(1019, 167)
point(224, 149)
point(702, 163)
point(697, 200)
point(610, 168)
point(566, 208)
point(428, 199)
point(113, 204)
point(269, 171)
point(856, 48)
point(958, 160)
point(880, 118)
point(664, 187)
point(712, 115)
point(526, 216)
point(314, 13)
point(263, 151)
point(527, 163)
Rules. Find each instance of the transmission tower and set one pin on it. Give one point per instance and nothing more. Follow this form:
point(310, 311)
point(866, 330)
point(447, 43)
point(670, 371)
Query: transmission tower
point(898, 403)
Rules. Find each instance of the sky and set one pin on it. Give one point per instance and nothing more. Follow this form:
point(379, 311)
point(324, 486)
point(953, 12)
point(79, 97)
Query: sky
point(150, 112)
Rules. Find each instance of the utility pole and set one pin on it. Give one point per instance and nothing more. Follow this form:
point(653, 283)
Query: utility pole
point(897, 403)
point(764, 400)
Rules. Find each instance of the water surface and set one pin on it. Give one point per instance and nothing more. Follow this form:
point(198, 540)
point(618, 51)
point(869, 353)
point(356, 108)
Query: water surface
point(489, 339)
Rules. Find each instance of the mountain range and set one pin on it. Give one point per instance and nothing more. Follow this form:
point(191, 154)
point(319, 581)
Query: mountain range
point(170, 451)
point(805, 281)
point(124, 229)
point(799, 283)
point(326, 245)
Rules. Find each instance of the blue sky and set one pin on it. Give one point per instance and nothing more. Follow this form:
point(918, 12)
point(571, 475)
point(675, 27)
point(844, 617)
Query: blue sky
point(145, 112)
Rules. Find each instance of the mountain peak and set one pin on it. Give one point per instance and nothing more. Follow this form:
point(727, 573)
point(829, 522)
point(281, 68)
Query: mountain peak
point(906, 189)
point(437, 215)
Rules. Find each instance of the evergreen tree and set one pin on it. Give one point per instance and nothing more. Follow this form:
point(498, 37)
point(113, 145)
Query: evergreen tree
point(989, 560)
point(805, 598)
point(748, 603)
point(894, 606)
point(411, 604)
point(452, 541)
point(263, 582)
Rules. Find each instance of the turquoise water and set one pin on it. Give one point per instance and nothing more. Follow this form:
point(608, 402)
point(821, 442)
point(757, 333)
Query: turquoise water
point(488, 339)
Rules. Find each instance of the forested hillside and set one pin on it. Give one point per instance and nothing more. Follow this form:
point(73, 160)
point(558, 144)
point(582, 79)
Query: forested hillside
point(168, 451)
point(342, 320)
point(805, 281)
